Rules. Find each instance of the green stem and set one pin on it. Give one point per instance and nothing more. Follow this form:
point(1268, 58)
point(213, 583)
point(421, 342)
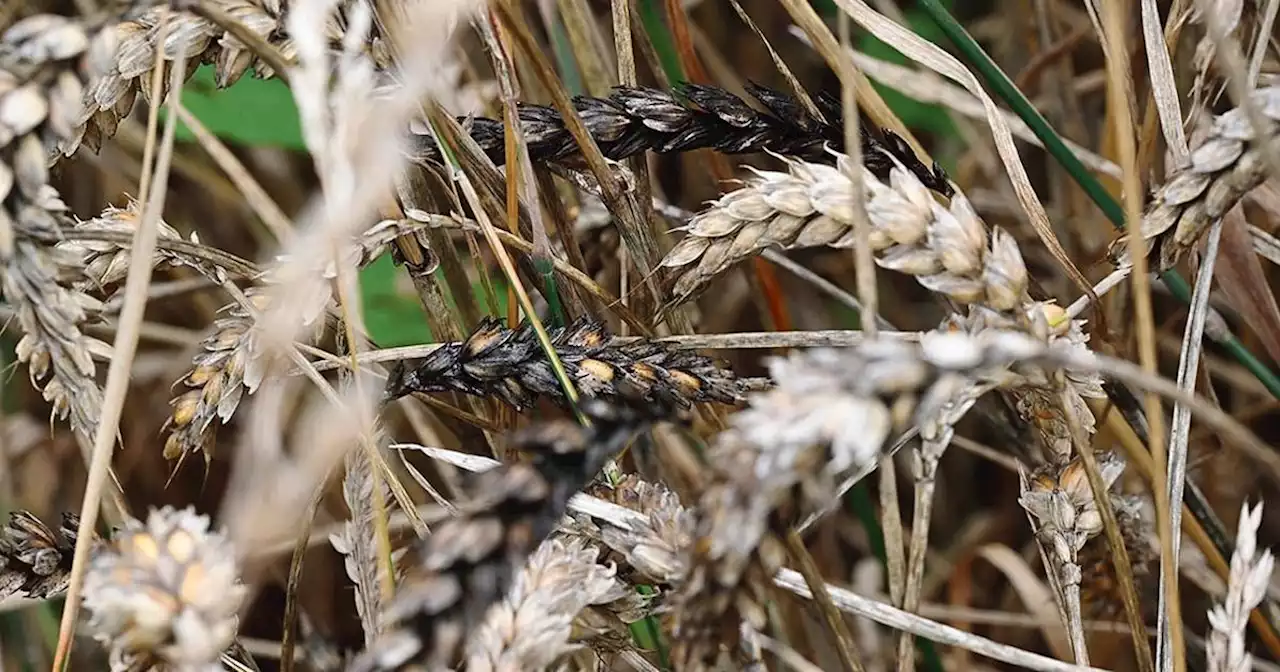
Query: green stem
point(655, 25)
point(1009, 93)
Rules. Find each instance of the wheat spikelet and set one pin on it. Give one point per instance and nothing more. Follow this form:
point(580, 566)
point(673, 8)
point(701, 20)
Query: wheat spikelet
point(357, 543)
point(102, 263)
point(469, 562)
point(230, 363)
point(635, 119)
point(509, 364)
point(34, 560)
point(656, 552)
point(1246, 586)
point(44, 60)
point(1218, 173)
point(946, 248)
point(831, 412)
point(165, 593)
point(531, 628)
point(111, 96)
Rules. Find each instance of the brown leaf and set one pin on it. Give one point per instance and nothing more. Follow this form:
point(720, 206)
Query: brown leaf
point(1243, 283)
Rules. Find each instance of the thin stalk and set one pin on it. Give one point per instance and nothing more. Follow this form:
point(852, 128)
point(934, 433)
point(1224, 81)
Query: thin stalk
point(123, 348)
point(844, 642)
point(1119, 554)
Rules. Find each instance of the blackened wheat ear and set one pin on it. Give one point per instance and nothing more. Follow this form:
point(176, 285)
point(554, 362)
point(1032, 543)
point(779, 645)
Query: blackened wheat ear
point(469, 562)
point(34, 560)
point(510, 365)
point(634, 119)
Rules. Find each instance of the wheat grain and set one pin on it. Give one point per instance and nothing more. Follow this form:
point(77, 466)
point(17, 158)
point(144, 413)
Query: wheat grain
point(531, 628)
point(1228, 164)
point(1060, 503)
point(165, 593)
point(230, 364)
point(831, 412)
point(102, 263)
point(946, 248)
point(635, 119)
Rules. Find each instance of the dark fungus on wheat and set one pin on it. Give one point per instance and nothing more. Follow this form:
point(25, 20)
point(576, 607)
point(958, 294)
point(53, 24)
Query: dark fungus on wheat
point(635, 119)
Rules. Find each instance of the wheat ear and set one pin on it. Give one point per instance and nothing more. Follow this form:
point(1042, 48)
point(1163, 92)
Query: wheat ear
point(1228, 164)
point(44, 63)
point(1246, 586)
point(469, 562)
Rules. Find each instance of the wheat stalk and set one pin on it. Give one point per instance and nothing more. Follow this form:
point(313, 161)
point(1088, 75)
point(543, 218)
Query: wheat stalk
point(1228, 164)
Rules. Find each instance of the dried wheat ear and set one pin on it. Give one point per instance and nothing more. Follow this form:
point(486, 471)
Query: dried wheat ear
point(509, 364)
point(44, 63)
point(1218, 173)
point(35, 561)
point(633, 120)
point(469, 562)
point(164, 593)
point(946, 248)
point(112, 96)
point(831, 413)
point(230, 364)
